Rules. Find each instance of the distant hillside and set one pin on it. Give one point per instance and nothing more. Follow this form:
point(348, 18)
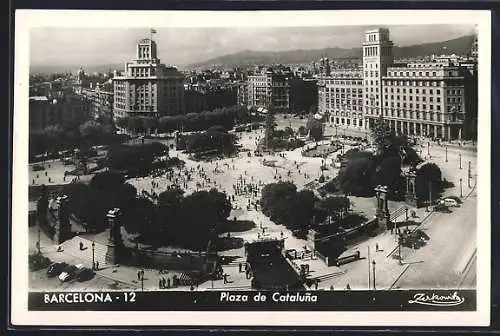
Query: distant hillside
point(458, 46)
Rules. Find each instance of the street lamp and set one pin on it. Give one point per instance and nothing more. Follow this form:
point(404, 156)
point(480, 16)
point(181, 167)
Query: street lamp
point(428, 148)
point(461, 195)
point(446, 153)
point(38, 243)
point(469, 175)
point(460, 160)
point(93, 255)
point(373, 263)
point(142, 280)
point(406, 214)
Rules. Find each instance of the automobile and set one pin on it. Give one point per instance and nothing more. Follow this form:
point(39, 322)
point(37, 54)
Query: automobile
point(84, 274)
point(450, 202)
point(69, 272)
point(56, 269)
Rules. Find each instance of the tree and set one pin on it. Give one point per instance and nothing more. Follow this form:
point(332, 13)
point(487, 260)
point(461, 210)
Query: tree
point(54, 138)
point(315, 128)
point(356, 177)
point(93, 132)
point(270, 127)
point(302, 210)
point(383, 136)
point(388, 173)
point(336, 206)
point(107, 180)
point(429, 173)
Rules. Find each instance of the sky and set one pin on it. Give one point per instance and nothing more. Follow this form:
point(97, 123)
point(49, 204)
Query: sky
point(64, 46)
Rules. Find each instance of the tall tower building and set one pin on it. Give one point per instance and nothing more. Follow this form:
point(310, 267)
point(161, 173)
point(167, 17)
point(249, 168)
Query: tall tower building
point(377, 57)
point(148, 87)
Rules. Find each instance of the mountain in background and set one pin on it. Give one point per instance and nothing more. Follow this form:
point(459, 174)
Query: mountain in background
point(459, 46)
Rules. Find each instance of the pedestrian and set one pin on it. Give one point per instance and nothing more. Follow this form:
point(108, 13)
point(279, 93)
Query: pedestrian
point(96, 265)
point(81, 246)
point(160, 285)
point(376, 247)
point(239, 267)
point(331, 287)
point(348, 287)
point(225, 278)
point(168, 282)
point(281, 234)
point(316, 285)
point(138, 275)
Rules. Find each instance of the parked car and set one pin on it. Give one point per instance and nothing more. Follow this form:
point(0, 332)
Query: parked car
point(69, 272)
point(56, 269)
point(450, 202)
point(84, 274)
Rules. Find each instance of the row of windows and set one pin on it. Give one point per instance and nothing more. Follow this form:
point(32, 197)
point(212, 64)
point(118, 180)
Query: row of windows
point(412, 83)
point(342, 95)
point(353, 90)
point(344, 102)
point(422, 73)
point(345, 82)
point(411, 90)
point(347, 121)
point(410, 105)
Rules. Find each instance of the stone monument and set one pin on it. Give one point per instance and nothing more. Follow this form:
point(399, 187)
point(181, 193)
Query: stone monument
point(410, 195)
point(382, 214)
point(115, 237)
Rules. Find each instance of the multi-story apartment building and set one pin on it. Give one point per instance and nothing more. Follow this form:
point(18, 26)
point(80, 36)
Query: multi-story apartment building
point(425, 99)
point(270, 89)
point(148, 87)
point(340, 97)
point(100, 98)
point(69, 111)
point(433, 98)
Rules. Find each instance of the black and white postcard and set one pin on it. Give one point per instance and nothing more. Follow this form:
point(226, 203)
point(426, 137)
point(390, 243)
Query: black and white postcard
point(251, 168)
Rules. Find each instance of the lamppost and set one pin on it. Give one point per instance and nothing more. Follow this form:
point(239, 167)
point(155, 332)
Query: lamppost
point(446, 153)
point(428, 148)
point(374, 263)
point(369, 273)
point(406, 214)
point(469, 175)
point(460, 160)
point(430, 197)
point(142, 280)
point(93, 256)
point(38, 242)
point(461, 195)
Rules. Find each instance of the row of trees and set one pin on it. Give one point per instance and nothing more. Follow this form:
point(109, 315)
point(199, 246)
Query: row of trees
point(226, 117)
point(215, 138)
point(365, 170)
point(301, 210)
point(138, 159)
point(184, 221)
point(279, 139)
point(55, 138)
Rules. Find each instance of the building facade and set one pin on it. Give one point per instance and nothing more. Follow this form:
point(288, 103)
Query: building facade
point(101, 100)
point(425, 99)
point(340, 97)
point(148, 87)
point(270, 90)
point(432, 98)
point(69, 111)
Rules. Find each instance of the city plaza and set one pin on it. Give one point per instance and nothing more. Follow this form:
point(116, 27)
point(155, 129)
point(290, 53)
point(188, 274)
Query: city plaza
point(448, 260)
